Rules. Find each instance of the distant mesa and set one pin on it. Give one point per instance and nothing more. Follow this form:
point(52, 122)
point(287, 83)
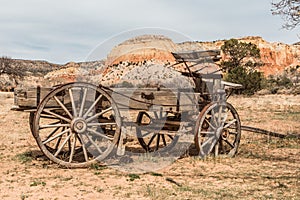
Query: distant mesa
point(142, 48)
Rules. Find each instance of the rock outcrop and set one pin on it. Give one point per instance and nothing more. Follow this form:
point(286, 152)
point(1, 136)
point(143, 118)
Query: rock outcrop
point(25, 73)
point(143, 51)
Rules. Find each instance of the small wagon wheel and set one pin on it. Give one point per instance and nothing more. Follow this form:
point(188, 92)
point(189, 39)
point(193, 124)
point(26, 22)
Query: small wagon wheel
point(76, 125)
point(151, 134)
point(218, 130)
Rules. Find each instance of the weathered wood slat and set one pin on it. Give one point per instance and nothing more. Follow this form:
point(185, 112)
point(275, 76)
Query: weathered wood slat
point(125, 98)
point(27, 97)
point(165, 99)
point(213, 55)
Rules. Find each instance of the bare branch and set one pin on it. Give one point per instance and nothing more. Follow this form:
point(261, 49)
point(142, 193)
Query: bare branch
point(289, 10)
point(9, 67)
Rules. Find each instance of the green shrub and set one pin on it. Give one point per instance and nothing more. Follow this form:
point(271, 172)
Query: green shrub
point(239, 65)
point(273, 84)
point(252, 81)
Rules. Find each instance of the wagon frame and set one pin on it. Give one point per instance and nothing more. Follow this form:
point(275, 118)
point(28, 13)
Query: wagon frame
point(77, 124)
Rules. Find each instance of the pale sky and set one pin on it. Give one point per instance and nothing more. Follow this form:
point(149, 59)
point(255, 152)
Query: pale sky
point(68, 30)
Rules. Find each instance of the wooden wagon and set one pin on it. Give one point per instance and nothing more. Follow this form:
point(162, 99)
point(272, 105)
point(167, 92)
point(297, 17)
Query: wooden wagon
point(77, 124)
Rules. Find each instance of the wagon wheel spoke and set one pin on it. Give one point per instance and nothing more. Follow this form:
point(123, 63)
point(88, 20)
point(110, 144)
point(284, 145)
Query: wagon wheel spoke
point(222, 146)
point(155, 115)
point(44, 116)
point(231, 145)
point(217, 148)
point(209, 141)
point(157, 142)
point(62, 145)
point(228, 124)
point(213, 114)
point(101, 124)
point(63, 107)
point(57, 143)
point(55, 125)
point(55, 122)
point(145, 134)
point(100, 134)
point(56, 136)
point(207, 133)
point(86, 158)
point(56, 115)
point(92, 106)
point(208, 122)
point(207, 146)
point(73, 148)
point(82, 102)
point(69, 141)
point(150, 141)
point(98, 114)
point(164, 140)
point(73, 103)
point(52, 133)
point(220, 115)
point(94, 144)
point(171, 137)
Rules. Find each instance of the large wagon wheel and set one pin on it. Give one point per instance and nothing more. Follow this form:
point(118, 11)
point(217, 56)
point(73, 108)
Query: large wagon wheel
point(76, 125)
point(151, 132)
point(218, 130)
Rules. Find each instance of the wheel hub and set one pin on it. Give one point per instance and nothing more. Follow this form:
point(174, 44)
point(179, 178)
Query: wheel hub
point(78, 125)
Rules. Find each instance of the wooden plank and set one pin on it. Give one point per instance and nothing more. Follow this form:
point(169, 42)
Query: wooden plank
point(166, 99)
point(27, 97)
point(125, 98)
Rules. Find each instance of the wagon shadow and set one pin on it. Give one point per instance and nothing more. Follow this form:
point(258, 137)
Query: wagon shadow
point(268, 157)
point(38, 155)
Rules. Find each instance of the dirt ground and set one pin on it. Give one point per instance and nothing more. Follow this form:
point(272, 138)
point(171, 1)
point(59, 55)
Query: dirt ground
point(265, 167)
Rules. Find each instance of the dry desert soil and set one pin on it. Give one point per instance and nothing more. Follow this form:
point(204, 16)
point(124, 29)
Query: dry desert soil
point(265, 167)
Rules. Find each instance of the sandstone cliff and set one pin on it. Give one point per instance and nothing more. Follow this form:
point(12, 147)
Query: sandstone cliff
point(276, 56)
